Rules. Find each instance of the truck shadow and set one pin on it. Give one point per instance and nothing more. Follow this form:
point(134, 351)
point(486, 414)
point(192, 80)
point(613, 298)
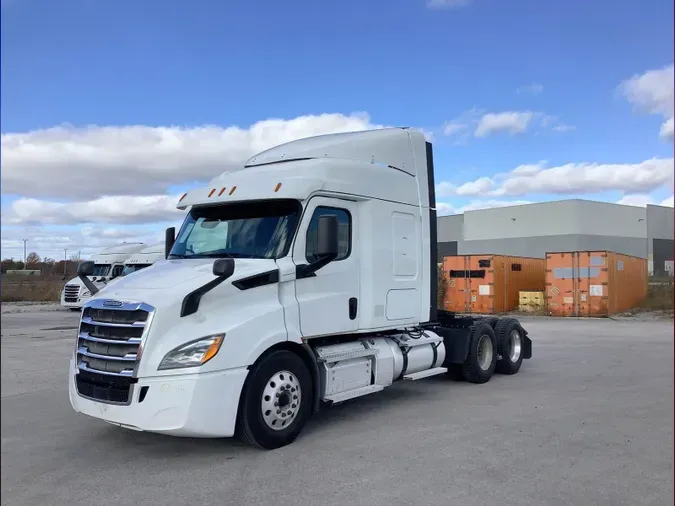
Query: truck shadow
point(400, 396)
point(343, 418)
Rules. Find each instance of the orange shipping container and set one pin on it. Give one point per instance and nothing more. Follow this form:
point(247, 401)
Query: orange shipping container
point(594, 283)
point(490, 284)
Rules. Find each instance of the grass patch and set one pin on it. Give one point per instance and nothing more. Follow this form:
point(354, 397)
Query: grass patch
point(17, 288)
point(659, 296)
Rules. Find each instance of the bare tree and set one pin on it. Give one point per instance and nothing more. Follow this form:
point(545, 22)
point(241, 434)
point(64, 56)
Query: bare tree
point(32, 258)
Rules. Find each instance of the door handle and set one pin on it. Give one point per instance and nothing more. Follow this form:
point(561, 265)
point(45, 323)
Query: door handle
point(353, 308)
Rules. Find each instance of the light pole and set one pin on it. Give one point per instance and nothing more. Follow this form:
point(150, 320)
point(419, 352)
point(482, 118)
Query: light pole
point(65, 260)
point(24, 253)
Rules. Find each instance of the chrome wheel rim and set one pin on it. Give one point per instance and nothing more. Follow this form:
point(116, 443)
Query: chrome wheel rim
point(485, 352)
point(280, 401)
point(515, 346)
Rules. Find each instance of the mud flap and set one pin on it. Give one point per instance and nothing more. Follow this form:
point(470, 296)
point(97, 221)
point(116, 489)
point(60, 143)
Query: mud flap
point(527, 347)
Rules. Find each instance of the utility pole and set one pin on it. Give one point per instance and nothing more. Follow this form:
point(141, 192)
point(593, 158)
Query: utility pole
point(24, 253)
point(65, 261)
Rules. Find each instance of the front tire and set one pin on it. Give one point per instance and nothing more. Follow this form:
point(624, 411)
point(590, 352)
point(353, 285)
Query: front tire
point(276, 401)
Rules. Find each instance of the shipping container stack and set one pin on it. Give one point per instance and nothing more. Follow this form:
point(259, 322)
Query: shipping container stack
point(490, 284)
point(594, 283)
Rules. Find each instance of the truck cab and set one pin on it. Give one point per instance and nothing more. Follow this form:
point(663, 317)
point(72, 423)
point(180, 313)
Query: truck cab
point(307, 276)
point(108, 265)
point(143, 259)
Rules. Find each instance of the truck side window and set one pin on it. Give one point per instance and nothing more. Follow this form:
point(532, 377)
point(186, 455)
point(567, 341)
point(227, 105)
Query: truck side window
point(117, 270)
point(344, 232)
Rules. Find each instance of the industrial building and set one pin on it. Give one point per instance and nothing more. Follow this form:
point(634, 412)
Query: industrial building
point(532, 230)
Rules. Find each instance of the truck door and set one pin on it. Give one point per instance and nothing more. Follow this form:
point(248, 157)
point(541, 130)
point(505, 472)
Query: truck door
point(329, 300)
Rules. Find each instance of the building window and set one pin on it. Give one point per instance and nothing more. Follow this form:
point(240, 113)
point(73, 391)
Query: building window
point(516, 267)
point(344, 232)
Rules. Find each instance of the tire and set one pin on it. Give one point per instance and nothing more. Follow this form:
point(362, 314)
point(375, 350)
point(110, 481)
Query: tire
point(490, 320)
point(510, 338)
point(281, 376)
point(482, 357)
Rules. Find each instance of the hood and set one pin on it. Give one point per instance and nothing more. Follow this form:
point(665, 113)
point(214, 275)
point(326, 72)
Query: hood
point(181, 276)
point(77, 281)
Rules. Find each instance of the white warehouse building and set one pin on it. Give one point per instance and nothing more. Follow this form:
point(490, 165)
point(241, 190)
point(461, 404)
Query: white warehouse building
point(532, 230)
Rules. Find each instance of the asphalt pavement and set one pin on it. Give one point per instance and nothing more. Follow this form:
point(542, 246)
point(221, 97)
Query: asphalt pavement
point(587, 421)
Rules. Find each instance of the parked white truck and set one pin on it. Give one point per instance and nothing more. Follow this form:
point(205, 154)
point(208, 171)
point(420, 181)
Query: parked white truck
point(108, 265)
point(143, 259)
point(308, 276)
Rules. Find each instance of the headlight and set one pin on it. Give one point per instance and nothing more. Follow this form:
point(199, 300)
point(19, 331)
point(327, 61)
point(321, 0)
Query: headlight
point(192, 354)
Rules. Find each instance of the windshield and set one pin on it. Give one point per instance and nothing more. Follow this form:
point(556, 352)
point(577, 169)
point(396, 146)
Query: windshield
point(128, 269)
point(244, 230)
point(101, 270)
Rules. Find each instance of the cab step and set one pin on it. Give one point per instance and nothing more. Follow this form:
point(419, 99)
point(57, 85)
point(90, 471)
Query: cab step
point(425, 374)
point(352, 394)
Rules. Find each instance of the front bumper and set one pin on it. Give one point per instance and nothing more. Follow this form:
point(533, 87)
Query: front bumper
point(74, 305)
point(185, 405)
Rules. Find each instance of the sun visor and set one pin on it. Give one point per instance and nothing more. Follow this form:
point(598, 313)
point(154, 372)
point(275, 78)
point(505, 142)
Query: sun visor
point(249, 189)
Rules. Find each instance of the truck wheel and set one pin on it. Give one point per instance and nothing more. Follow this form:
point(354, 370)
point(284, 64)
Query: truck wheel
point(482, 358)
point(490, 320)
point(510, 338)
point(276, 401)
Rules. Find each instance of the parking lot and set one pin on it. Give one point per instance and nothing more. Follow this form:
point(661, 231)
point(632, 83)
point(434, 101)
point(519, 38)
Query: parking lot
point(587, 421)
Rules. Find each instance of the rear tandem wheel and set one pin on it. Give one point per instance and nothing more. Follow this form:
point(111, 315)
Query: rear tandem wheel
point(481, 360)
point(510, 341)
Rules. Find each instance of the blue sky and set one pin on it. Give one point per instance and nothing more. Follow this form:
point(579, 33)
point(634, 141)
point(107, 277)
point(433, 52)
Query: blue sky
point(543, 78)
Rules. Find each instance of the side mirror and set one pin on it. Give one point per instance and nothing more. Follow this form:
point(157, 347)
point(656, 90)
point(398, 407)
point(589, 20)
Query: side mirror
point(223, 268)
point(169, 240)
point(327, 236)
point(85, 268)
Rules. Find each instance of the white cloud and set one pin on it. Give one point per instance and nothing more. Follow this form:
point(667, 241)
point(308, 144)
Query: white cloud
point(482, 123)
point(76, 162)
point(444, 209)
point(591, 178)
point(453, 128)
point(528, 169)
point(636, 199)
point(447, 4)
point(666, 132)
point(667, 202)
point(512, 122)
point(120, 209)
point(534, 89)
point(490, 204)
point(480, 186)
point(571, 178)
point(652, 93)
point(642, 200)
point(48, 242)
point(562, 128)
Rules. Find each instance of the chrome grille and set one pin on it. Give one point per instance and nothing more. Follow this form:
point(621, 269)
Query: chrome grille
point(109, 346)
point(71, 292)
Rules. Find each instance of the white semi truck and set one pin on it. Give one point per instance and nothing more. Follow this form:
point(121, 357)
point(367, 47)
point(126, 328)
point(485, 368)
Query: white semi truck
point(108, 265)
point(143, 259)
point(308, 276)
